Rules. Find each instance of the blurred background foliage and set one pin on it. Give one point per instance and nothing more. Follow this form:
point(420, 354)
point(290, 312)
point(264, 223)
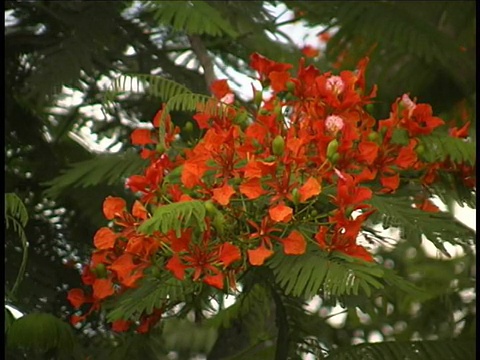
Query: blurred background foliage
point(60, 57)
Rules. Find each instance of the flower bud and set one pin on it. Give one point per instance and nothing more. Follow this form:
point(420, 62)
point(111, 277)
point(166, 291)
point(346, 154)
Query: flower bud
point(210, 207)
point(332, 148)
point(373, 136)
point(420, 149)
point(219, 223)
point(241, 118)
point(296, 196)
point(188, 127)
point(290, 86)
point(100, 271)
point(334, 124)
point(335, 157)
point(160, 148)
point(258, 97)
point(278, 145)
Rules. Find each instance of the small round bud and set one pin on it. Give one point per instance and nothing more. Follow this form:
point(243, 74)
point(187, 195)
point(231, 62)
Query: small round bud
point(332, 148)
point(278, 145)
point(210, 207)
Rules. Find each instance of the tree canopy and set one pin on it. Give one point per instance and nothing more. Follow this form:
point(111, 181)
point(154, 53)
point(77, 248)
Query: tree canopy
point(101, 70)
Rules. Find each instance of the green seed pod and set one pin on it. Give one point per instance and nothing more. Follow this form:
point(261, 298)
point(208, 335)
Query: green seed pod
point(278, 145)
point(332, 148)
point(420, 149)
point(314, 213)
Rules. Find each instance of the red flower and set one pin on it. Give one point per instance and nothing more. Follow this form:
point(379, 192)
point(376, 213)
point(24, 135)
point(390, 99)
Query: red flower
point(278, 80)
point(265, 66)
point(309, 51)
point(77, 298)
point(220, 88)
point(121, 325)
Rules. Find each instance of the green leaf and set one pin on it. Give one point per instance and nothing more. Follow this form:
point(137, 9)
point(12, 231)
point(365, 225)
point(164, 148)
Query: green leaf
point(153, 85)
point(176, 216)
point(41, 332)
point(16, 214)
point(14, 208)
point(306, 274)
point(400, 137)
point(439, 228)
point(440, 146)
point(152, 293)
point(400, 350)
point(103, 169)
point(9, 319)
point(191, 17)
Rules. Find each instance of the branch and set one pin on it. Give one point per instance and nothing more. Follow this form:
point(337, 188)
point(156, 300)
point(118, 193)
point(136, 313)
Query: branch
point(202, 54)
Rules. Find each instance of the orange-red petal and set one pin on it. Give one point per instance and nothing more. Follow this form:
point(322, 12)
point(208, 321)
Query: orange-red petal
point(176, 267)
point(258, 256)
point(104, 239)
point(141, 137)
point(294, 244)
point(139, 210)
point(281, 213)
point(223, 194)
point(252, 188)
point(229, 254)
point(113, 206)
point(214, 280)
point(102, 288)
point(77, 298)
point(310, 188)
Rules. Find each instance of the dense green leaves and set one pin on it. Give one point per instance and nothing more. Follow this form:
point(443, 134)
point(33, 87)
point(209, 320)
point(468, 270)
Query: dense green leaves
point(41, 332)
point(306, 274)
point(176, 216)
point(190, 17)
point(434, 350)
point(103, 169)
point(397, 211)
point(152, 293)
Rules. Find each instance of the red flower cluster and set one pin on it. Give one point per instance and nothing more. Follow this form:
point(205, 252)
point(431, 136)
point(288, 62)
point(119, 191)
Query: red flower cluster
point(298, 173)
